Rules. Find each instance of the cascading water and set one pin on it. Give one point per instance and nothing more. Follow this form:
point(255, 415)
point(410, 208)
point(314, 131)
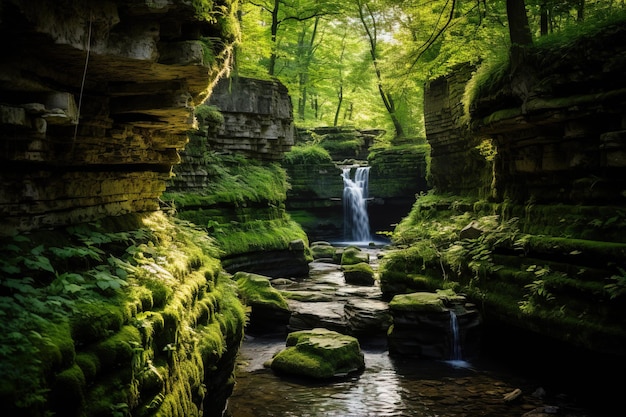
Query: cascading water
point(356, 221)
point(455, 348)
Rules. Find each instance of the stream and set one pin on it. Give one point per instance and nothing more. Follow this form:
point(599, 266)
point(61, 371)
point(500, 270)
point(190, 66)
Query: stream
point(390, 385)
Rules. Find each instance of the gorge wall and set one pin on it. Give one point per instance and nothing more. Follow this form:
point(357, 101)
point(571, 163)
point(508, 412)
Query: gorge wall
point(230, 181)
point(76, 150)
point(108, 306)
point(527, 214)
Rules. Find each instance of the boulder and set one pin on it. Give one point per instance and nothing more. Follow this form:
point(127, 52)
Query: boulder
point(322, 250)
point(367, 317)
point(359, 274)
point(319, 354)
point(268, 307)
point(353, 255)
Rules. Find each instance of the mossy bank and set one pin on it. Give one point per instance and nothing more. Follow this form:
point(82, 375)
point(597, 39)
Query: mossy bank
point(127, 316)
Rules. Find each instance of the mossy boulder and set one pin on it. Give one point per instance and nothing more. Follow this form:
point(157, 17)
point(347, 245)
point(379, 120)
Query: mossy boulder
point(267, 304)
point(322, 250)
point(353, 255)
point(319, 354)
point(359, 274)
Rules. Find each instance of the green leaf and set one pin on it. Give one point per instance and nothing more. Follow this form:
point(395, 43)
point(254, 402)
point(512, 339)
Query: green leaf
point(39, 263)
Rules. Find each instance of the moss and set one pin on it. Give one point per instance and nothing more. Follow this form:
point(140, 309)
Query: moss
point(320, 354)
point(323, 251)
point(89, 364)
point(359, 274)
point(419, 302)
point(353, 255)
point(307, 154)
point(118, 348)
point(258, 290)
point(95, 321)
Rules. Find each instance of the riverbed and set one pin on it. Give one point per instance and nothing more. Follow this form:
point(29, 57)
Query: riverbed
point(390, 385)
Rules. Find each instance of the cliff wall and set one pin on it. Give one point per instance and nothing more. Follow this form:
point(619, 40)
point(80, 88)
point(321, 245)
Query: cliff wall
point(97, 98)
point(108, 306)
point(230, 182)
point(527, 214)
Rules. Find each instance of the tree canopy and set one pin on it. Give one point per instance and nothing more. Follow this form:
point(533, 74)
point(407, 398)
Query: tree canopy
point(365, 62)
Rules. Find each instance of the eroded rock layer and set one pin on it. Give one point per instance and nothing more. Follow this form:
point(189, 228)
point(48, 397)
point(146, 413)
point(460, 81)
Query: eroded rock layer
point(96, 98)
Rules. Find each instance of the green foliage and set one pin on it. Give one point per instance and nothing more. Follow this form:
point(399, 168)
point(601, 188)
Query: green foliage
point(236, 180)
point(208, 115)
point(307, 154)
point(617, 287)
point(80, 285)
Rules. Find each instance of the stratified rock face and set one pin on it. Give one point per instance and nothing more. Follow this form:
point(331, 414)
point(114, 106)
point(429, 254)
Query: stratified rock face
point(557, 122)
point(96, 98)
point(258, 118)
point(455, 163)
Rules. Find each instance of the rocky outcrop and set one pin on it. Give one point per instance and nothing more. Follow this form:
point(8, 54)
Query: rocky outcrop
point(257, 118)
point(97, 98)
point(236, 190)
point(433, 325)
point(527, 216)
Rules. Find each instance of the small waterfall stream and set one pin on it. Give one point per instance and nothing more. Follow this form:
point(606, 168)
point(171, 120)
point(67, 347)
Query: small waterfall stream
point(356, 220)
point(455, 349)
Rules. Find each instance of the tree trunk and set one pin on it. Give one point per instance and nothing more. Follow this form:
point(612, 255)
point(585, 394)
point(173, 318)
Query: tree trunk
point(580, 10)
point(519, 31)
point(274, 30)
point(339, 101)
point(544, 18)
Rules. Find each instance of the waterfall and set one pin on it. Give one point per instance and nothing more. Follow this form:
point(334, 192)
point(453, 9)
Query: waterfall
point(455, 348)
point(356, 225)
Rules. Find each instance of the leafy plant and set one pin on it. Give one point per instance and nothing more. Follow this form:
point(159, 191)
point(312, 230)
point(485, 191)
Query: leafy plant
point(617, 288)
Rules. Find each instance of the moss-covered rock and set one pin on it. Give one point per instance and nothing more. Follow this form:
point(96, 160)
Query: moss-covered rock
point(268, 306)
point(322, 250)
point(353, 255)
point(319, 354)
point(359, 274)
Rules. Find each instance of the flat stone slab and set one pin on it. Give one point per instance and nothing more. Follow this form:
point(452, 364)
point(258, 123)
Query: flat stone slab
point(306, 316)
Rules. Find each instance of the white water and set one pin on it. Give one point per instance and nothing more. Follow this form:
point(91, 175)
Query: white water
point(356, 225)
point(456, 357)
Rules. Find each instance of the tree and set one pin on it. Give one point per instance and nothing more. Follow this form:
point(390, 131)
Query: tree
point(282, 11)
point(371, 19)
point(519, 31)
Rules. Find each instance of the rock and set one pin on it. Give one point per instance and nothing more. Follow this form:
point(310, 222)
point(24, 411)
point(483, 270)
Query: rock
point(320, 251)
point(297, 245)
point(319, 354)
point(367, 317)
point(269, 308)
point(359, 274)
point(354, 255)
point(326, 314)
point(512, 396)
point(422, 325)
point(471, 231)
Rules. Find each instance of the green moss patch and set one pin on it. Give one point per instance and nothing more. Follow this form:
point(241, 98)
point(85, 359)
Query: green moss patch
point(257, 289)
point(353, 255)
point(359, 274)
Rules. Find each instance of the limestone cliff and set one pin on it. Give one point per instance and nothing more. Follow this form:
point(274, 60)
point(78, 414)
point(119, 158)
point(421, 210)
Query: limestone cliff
point(230, 182)
point(108, 306)
point(528, 210)
point(96, 100)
